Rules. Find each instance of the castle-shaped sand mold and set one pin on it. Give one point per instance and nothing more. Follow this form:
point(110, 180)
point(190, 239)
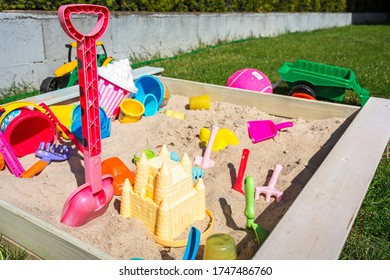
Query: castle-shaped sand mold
point(165, 198)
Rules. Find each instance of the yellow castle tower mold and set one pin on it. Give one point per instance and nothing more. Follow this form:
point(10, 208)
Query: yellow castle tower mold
point(186, 164)
point(125, 199)
point(141, 173)
point(164, 196)
point(200, 199)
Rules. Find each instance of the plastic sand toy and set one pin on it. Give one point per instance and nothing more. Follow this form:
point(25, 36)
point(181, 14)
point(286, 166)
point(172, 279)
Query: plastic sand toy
point(250, 214)
point(165, 198)
point(224, 138)
point(115, 84)
point(321, 80)
point(205, 161)
point(200, 102)
point(220, 246)
point(48, 153)
point(9, 157)
point(270, 190)
point(92, 199)
point(241, 171)
point(265, 129)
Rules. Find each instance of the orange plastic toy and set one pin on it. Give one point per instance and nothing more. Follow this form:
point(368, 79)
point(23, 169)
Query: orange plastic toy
point(119, 171)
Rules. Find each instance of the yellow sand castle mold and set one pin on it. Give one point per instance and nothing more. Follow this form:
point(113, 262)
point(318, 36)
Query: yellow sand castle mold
point(165, 198)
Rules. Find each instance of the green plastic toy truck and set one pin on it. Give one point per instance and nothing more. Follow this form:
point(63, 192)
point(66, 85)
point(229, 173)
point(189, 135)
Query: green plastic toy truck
point(312, 80)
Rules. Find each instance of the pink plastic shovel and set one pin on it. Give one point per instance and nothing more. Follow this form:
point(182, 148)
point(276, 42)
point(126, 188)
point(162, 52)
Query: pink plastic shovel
point(264, 129)
point(205, 161)
point(90, 200)
point(270, 190)
point(241, 171)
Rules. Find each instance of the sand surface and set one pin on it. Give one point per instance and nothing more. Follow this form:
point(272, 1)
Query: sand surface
point(299, 149)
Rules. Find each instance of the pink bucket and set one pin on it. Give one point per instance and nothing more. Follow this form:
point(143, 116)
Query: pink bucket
point(110, 97)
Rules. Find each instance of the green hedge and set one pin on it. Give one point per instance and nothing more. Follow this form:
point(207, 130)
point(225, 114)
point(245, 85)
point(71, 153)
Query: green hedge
point(211, 5)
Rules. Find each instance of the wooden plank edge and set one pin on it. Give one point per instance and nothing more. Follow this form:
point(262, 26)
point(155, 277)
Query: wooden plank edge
point(42, 238)
point(274, 104)
point(69, 93)
point(318, 222)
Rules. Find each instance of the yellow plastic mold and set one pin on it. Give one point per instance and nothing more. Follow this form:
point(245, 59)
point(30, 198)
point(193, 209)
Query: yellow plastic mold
point(224, 138)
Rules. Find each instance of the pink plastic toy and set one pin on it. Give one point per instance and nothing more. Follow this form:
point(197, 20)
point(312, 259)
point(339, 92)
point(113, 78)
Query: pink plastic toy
point(9, 157)
point(241, 171)
point(250, 79)
point(270, 190)
point(265, 129)
point(205, 161)
point(90, 200)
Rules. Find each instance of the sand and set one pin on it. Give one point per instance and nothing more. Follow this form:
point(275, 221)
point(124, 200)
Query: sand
point(299, 149)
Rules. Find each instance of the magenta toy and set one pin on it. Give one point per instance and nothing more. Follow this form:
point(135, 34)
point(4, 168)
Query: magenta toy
point(90, 200)
point(265, 129)
point(9, 157)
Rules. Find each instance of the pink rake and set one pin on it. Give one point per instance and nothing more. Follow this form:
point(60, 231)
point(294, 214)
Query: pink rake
point(270, 190)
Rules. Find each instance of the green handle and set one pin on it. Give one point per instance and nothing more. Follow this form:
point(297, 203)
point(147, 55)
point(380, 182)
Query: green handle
point(250, 202)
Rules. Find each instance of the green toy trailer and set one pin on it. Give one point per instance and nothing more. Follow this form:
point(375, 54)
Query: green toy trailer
point(311, 80)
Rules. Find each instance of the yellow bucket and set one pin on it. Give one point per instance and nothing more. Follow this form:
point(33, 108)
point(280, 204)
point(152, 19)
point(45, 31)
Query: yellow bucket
point(131, 110)
point(200, 102)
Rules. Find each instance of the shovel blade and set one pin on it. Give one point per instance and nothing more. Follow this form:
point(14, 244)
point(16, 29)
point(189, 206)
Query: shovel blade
point(82, 206)
point(261, 233)
point(204, 162)
point(261, 130)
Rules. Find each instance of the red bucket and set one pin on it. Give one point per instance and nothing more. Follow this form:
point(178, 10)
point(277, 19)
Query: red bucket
point(26, 128)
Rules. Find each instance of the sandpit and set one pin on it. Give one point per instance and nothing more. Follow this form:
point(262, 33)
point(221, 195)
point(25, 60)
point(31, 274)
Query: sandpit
point(299, 149)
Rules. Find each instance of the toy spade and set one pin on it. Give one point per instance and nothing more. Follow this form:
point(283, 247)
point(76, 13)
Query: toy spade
point(265, 129)
point(205, 161)
point(261, 233)
point(92, 199)
point(192, 244)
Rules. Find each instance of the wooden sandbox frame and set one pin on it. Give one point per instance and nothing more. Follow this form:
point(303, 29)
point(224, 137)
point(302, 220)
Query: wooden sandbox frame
point(315, 226)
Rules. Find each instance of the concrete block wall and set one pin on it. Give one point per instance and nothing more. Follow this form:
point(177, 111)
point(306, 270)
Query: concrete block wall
point(33, 43)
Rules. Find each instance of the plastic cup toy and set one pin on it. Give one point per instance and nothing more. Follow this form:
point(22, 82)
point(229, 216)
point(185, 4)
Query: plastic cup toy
point(220, 246)
point(200, 102)
point(148, 84)
point(151, 105)
point(131, 110)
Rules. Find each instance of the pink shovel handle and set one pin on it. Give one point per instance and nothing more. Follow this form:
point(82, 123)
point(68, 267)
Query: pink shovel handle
point(65, 12)
point(87, 70)
point(214, 130)
point(274, 178)
point(88, 82)
point(282, 125)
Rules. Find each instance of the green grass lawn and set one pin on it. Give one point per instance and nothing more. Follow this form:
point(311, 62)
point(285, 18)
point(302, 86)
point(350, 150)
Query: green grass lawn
point(361, 48)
